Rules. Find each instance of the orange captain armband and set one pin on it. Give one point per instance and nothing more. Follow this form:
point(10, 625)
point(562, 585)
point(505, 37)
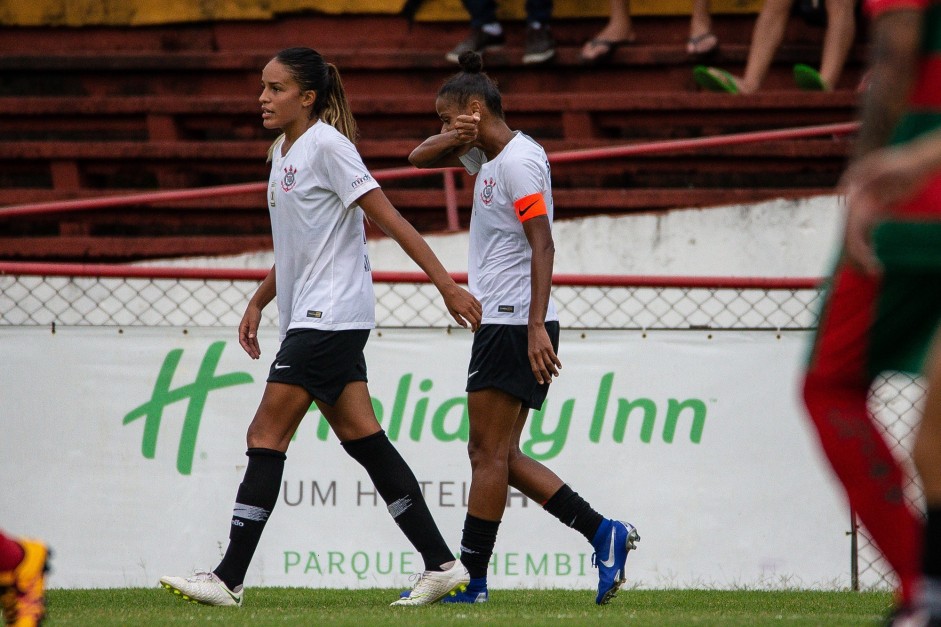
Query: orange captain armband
point(530, 207)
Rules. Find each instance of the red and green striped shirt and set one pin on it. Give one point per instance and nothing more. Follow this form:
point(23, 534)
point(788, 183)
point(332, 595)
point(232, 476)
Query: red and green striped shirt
point(923, 113)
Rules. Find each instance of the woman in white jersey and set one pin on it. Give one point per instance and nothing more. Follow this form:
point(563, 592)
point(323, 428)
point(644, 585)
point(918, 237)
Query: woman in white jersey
point(514, 353)
point(318, 193)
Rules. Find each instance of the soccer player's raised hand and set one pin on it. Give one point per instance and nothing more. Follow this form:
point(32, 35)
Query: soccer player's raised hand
point(465, 128)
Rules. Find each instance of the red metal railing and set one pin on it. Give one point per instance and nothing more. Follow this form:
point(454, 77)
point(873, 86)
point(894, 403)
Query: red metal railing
point(450, 192)
point(243, 274)
point(697, 143)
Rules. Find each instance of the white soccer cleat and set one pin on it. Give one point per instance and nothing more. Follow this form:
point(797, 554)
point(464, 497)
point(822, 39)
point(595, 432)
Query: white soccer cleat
point(203, 588)
point(432, 585)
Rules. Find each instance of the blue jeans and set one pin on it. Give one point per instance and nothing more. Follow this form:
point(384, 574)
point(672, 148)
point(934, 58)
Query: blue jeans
point(485, 11)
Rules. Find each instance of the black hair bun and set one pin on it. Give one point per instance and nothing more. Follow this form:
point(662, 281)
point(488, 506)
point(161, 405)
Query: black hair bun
point(471, 62)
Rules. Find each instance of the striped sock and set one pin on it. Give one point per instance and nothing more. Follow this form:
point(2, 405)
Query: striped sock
point(256, 497)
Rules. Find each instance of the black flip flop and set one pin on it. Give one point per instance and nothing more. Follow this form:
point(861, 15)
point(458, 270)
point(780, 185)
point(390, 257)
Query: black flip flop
point(610, 46)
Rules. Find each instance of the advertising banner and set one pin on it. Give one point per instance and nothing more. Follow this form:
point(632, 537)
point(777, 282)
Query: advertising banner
point(124, 448)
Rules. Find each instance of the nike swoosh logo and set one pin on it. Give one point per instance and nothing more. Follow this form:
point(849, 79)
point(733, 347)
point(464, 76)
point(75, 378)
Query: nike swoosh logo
point(472, 374)
point(279, 367)
point(234, 598)
point(608, 563)
point(528, 207)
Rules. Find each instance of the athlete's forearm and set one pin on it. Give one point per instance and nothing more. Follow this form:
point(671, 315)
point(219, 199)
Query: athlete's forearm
point(266, 291)
point(438, 151)
point(896, 39)
point(379, 210)
point(420, 252)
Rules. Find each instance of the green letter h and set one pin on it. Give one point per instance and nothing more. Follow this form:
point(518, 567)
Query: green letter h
point(196, 392)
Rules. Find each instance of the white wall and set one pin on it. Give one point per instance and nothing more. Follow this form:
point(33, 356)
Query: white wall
point(775, 238)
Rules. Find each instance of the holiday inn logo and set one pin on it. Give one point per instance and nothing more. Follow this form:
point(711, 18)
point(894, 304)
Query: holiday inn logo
point(194, 393)
point(595, 416)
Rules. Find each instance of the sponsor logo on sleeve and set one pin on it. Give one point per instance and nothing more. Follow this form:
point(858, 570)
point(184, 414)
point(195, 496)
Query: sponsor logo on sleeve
point(361, 180)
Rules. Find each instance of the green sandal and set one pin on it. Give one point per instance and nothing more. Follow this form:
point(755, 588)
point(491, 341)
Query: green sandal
point(715, 79)
point(808, 78)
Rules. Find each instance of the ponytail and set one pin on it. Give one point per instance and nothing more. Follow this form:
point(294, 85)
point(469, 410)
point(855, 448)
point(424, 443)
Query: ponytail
point(336, 110)
point(271, 148)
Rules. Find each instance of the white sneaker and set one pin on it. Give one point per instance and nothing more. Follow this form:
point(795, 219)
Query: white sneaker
point(432, 585)
point(203, 588)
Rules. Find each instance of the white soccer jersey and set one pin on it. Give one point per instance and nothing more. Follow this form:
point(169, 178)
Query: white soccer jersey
point(499, 260)
point(321, 261)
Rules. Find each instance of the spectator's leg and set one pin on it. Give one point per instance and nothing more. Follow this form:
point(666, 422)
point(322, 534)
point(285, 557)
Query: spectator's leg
point(538, 12)
point(765, 40)
point(701, 38)
point(841, 29)
point(481, 12)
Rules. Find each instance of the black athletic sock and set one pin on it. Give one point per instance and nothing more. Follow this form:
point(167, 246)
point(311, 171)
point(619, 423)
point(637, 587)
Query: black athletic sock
point(399, 488)
point(256, 497)
point(931, 552)
point(477, 545)
point(574, 511)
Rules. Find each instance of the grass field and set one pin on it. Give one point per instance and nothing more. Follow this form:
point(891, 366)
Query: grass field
point(301, 606)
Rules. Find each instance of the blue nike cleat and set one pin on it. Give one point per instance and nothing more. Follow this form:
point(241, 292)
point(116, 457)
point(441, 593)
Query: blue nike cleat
point(613, 541)
point(470, 593)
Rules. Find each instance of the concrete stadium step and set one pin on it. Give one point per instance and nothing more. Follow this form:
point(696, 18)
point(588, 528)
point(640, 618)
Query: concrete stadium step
point(328, 33)
point(575, 115)
point(68, 166)
point(373, 53)
point(251, 151)
point(649, 68)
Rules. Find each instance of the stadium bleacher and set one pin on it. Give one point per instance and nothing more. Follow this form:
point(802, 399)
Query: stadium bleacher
point(103, 110)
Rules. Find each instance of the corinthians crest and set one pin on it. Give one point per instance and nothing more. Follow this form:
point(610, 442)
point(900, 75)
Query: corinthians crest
point(288, 181)
point(486, 194)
